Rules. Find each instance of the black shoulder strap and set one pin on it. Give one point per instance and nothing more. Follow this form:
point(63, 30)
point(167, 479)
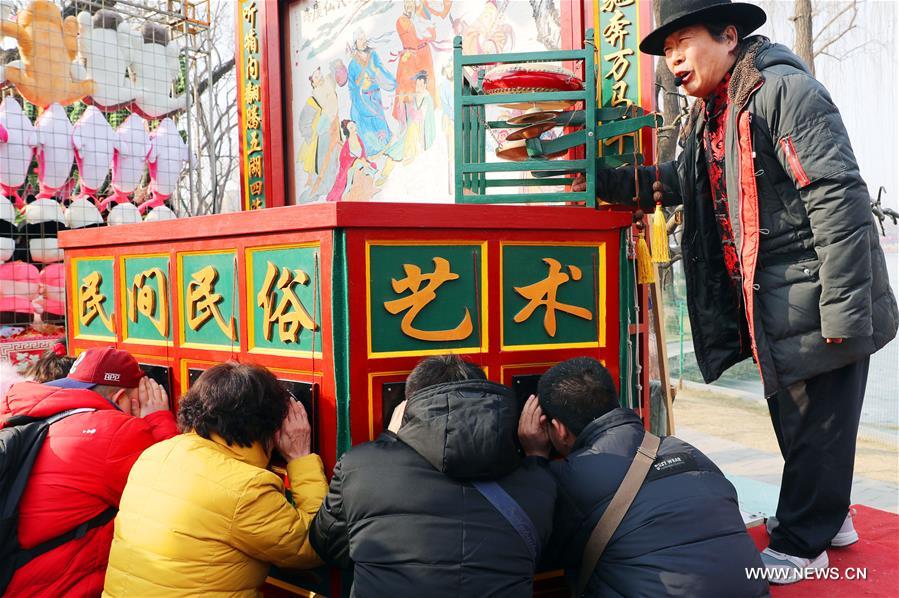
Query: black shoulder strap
point(25, 556)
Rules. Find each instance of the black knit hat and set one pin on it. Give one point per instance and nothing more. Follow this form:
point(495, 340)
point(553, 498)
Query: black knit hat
point(677, 14)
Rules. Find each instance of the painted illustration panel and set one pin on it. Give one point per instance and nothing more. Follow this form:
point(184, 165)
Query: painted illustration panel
point(372, 93)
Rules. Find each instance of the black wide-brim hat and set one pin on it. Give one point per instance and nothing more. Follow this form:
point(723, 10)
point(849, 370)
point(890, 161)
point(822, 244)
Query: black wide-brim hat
point(677, 14)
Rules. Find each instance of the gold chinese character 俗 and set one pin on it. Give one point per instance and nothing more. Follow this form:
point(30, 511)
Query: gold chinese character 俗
point(420, 297)
point(152, 303)
point(543, 293)
point(203, 302)
point(290, 313)
point(615, 32)
point(91, 300)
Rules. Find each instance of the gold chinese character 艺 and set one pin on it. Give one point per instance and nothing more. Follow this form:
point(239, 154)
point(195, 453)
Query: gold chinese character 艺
point(203, 302)
point(419, 298)
point(91, 300)
point(543, 293)
point(289, 314)
point(150, 302)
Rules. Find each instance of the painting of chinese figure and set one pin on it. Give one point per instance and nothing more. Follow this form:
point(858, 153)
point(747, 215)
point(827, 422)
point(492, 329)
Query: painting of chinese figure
point(370, 86)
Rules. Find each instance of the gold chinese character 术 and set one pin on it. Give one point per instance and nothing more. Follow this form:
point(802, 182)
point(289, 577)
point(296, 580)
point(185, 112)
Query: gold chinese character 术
point(290, 314)
point(152, 303)
point(543, 293)
point(91, 300)
point(203, 302)
point(419, 298)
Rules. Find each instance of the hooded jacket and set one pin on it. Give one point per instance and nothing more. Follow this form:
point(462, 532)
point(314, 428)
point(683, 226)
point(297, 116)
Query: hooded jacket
point(404, 511)
point(683, 534)
point(80, 471)
point(811, 262)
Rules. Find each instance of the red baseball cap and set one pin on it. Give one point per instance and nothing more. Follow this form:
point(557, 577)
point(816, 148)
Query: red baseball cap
point(106, 366)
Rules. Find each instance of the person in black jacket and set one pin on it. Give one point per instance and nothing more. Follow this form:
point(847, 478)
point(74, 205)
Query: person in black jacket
point(781, 257)
point(682, 536)
point(404, 512)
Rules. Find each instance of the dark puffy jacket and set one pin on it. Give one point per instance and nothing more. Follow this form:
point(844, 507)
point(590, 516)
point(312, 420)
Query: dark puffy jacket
point(402, 508)
point(682, 536)
point(811, 260)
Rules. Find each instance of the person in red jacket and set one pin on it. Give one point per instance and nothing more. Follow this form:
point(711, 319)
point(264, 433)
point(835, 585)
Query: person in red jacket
point(83, 465)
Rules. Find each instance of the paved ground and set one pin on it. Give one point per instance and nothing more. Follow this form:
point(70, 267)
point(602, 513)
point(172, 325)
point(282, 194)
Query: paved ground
point(734, 430)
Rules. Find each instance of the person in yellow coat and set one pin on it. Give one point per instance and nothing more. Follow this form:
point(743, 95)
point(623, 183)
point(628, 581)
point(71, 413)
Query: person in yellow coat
point(201, 514)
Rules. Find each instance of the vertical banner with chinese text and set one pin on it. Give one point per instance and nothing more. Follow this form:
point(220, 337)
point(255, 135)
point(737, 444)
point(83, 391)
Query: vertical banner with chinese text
point(249, 76)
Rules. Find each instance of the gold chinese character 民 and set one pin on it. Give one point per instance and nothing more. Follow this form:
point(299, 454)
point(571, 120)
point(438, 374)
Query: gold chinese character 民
point(251, 42)
point(253, 68)
point(254, 167)
point(543, 293)
point(254, 145)
point(152, 303)
point(203, 302)
point(251, 93)
point(249, 14)
point(290, 314)
point(420, 297)
point(91, 300)
point(615, 32)
point(611, 5)
point(253, 117)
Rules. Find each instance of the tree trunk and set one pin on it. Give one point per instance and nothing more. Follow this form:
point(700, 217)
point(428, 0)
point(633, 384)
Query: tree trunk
point(804, 46)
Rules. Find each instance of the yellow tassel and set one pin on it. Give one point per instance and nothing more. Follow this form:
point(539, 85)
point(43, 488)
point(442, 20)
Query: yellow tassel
point(659, 236)
point(645, 273)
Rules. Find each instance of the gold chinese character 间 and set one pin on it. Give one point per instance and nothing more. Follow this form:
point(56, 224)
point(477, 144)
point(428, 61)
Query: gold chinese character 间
point(253, 68)
point(91, 300)
point(420, 297)
point(543, 293)
point(254, 167)
point(249, 14)
point(290, 314)
point(251, 93)
point(152, 303)
point(611, 5)
point(253, 117)
point(251, 42)
point(616, 31)
point(203, 302)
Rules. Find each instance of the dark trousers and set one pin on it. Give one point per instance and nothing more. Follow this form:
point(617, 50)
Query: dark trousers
point(816, 423)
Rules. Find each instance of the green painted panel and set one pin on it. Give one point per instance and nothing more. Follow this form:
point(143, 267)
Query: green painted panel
point(550, 294)
point(147, 299)
point(618, 65)
point(209, 299)
point(285, 299)
point(95, 305)
point(425, 297)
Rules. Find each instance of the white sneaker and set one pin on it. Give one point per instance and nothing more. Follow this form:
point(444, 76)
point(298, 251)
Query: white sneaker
point(784, 569)
point(845, 537)
point(847, 534)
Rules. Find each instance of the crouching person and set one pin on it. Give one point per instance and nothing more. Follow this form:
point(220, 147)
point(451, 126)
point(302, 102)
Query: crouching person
point(201, 513)
point(442, 507)
point(681, 536)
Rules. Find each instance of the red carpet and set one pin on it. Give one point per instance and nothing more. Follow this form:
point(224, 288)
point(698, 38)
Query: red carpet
point(877, 551)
